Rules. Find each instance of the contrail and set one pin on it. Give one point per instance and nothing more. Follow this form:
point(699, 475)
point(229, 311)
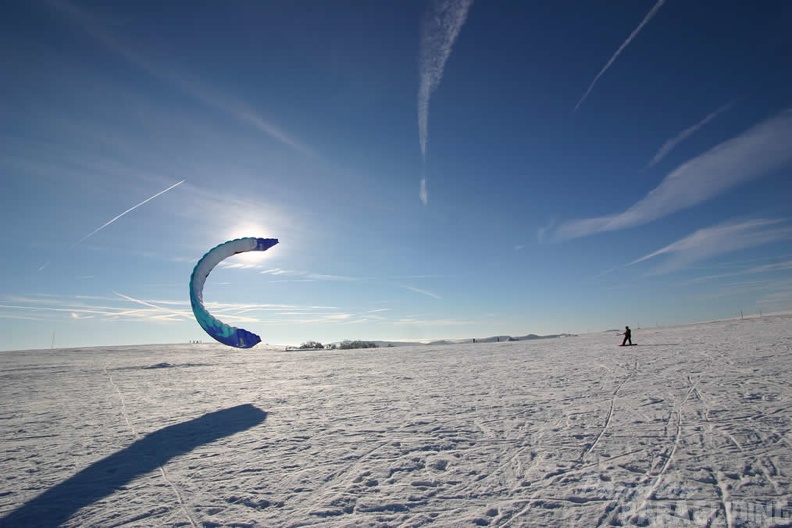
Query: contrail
point(440, 30)
point(92, 233)
point(635, 32)
point(182, 313)
point(423, 192)
point(669, 145)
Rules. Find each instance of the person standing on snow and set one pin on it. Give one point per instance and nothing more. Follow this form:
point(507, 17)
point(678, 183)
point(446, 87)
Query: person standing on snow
point(627, 336)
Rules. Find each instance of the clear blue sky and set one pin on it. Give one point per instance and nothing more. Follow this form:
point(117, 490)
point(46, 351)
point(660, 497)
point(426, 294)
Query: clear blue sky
point(432, 169)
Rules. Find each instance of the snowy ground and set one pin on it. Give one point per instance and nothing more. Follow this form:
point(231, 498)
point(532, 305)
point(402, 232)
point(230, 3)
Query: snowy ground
point(693, 427)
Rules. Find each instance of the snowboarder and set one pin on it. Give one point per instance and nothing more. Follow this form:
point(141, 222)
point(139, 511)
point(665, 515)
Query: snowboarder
point(627, 336)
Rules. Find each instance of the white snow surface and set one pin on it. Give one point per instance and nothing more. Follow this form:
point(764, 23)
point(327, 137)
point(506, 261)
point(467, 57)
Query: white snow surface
point(689, 428)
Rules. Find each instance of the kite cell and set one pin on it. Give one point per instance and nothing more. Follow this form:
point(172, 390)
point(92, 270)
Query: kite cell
point(228, 335)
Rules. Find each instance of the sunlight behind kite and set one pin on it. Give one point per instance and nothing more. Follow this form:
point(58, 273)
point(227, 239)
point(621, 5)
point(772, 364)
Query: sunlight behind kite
point(228, 335)
point(248, 259)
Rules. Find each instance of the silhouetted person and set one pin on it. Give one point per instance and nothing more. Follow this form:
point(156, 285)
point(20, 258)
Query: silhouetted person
point(627, 336)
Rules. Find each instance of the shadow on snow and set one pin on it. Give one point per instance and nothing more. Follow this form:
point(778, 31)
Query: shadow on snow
point(101, 479)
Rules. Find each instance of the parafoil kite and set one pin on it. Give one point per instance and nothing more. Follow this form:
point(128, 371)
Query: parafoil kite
point(228, 335)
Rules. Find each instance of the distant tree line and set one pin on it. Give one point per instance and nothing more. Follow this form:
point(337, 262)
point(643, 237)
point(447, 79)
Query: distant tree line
point(343, 345)
point(347, 344)
point(310, 345)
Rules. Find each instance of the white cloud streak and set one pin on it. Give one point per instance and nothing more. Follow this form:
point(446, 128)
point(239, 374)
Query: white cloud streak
point(237, 109)
point(671, 144)
point(758, 151)
point(769, 268)
point(308, 276)
point(626, 43)
point(781, 298)
point(430, 323)
point(423, 192)
point(169, 311)
point(755, 270)
point(441, 27)
point(304, 276)
point(117, 308)
point(92, 233)
point(718, 240)
point(422, 292)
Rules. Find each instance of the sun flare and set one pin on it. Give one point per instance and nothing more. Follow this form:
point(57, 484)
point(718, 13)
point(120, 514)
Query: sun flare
point(249, 229)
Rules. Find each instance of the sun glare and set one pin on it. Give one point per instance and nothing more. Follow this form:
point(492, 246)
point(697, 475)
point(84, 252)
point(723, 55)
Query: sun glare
point(251, 258)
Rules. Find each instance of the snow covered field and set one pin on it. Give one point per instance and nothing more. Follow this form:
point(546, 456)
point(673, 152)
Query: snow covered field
point(693, 427)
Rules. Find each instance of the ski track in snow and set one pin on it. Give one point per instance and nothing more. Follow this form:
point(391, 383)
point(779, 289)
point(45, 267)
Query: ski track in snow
point(160, 467)
point(690, 428)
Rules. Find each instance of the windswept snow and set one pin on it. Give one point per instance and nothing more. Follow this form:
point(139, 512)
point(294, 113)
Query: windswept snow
point(690, 428)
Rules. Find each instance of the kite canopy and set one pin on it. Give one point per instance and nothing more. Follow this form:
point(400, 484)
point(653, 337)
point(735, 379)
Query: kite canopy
point(228, 335)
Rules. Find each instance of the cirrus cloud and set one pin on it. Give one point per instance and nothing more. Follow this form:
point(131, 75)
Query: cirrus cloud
point(757, 152)
point(718, 240)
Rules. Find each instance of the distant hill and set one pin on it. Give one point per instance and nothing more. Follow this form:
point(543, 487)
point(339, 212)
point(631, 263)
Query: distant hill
point(506, 338)
point(491, 339)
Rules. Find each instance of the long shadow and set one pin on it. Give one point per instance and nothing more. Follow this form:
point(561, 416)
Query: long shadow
point(97, 481)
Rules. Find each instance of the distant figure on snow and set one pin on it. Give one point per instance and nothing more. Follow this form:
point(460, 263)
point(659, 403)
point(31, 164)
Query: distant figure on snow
point(627, 336)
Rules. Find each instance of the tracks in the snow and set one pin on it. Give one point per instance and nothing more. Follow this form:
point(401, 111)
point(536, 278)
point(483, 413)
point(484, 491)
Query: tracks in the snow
point(610, 412)
point(179, 500)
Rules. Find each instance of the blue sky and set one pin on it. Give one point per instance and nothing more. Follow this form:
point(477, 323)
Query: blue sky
point(432, 169)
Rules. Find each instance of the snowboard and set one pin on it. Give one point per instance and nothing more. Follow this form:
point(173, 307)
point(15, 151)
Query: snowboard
point(631, 344)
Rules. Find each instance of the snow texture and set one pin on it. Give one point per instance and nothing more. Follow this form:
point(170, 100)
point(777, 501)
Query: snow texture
point(689, 428)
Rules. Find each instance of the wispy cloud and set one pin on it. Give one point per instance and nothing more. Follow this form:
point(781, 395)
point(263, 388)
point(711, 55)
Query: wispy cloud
point(769, 295)
point(753, 270)
point(305, 276)
point(626, 43)
point(780, 298)
point(159, 310)
point(38, 308)
point(310, 275)
point(92, 233)
point(718, 240)
point(296, 275)
point(769, 268)
point(237, 109)
point(422, 292)
point(441, 27)
point(428, 322)
point(129, 308)
point(671, 144)
point(423, 192)
point(755, 153)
